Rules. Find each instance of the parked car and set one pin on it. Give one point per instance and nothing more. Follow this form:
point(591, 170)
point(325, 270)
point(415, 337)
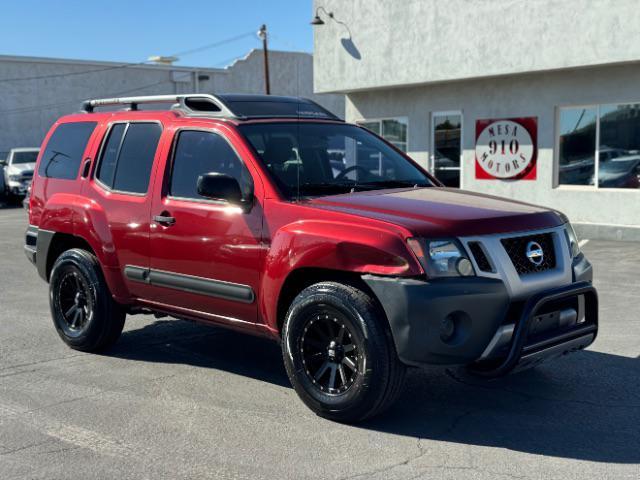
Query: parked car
point(227, 210)
point(18, 171)
point(3, 189)
point(620, 172)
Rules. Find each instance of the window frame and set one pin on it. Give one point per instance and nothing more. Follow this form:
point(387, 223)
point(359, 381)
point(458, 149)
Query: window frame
point(432, 144)
point(168, 174)
point(556, 145)
point(379, 120)
point(103, 144)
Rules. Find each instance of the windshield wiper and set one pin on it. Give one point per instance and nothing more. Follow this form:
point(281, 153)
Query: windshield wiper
point(389, 184)
point(311, 189)
point(324, 188)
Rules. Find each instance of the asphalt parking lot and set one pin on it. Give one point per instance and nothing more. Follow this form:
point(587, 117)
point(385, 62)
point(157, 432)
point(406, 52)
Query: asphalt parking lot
point(178, 400)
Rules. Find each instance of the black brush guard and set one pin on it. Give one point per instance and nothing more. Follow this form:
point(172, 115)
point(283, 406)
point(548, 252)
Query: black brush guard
point(523, 355)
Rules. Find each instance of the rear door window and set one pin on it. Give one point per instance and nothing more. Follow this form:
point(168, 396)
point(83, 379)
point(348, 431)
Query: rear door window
point(107, 166)
point(63, 154)
point(127, 157)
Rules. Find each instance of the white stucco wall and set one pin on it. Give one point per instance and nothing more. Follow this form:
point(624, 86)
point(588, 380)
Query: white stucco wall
point(537, 94)
point(388, 43)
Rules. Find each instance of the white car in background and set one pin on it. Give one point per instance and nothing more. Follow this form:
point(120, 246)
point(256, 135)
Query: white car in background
point(18, 172)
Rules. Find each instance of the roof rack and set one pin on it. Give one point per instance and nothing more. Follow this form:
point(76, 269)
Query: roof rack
point(234, 106)
point(193, 104)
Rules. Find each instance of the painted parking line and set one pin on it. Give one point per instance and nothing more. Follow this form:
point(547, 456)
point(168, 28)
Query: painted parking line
point(583, 242)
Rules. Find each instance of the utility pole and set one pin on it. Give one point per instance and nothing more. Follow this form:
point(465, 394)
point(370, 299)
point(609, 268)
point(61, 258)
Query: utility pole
point(262, 33)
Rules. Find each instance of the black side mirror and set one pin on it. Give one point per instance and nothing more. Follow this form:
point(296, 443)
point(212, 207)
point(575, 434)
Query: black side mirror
point(219, 186)
point(3, 163)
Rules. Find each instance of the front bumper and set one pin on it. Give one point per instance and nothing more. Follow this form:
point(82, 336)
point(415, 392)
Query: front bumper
point(18, 189)
point(473, 321)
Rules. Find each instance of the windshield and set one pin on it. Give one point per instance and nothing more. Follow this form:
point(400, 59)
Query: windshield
point(313, 159)
point(24, 157)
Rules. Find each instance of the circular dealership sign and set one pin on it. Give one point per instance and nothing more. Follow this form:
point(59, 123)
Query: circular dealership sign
point(504, 149)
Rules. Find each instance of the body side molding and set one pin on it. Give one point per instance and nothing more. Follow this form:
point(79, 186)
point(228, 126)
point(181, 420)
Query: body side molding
point(192, 284)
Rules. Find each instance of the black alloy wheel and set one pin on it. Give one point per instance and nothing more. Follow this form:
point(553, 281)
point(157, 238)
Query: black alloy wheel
point(329, 354)
point(75, 302)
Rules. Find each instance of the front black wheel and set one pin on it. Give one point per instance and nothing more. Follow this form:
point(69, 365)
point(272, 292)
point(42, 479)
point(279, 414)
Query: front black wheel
point(85, 315)
point(339, 354)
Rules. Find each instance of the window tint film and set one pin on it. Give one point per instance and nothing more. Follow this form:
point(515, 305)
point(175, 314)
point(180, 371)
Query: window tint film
point(577, 145)
point(135, 160)
point(62, 157)
point(107, 166)
point(197, 153)
point(313, 159)
point(619, 152)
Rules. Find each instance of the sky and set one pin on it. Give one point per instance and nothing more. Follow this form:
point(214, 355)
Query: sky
point(131, 31)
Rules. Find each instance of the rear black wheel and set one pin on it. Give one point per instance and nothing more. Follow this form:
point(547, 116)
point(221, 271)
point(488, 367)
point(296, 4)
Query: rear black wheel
point(84, 313)
point(339, 353)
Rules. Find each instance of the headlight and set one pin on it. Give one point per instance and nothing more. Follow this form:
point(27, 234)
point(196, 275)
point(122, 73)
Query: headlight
point(572, 240)
point(14, 178)
point(442, 257)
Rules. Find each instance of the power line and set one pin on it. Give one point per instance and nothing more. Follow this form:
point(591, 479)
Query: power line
point(213, 45)
point(130, 65)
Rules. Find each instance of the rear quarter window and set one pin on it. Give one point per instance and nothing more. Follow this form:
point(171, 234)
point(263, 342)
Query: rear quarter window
point(63, 154)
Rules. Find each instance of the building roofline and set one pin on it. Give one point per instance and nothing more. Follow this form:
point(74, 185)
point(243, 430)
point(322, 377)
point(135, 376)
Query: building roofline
point(103, 63)
point(524, 73)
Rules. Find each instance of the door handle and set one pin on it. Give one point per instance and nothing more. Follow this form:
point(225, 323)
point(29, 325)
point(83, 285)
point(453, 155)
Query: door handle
point(164, 219)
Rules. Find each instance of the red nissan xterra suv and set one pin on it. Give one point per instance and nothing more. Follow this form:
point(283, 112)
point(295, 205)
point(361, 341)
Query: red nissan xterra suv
point(271, 216)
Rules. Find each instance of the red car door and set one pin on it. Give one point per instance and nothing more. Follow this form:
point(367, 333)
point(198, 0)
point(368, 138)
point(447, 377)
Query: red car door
point(121, 188)
point(205, 254)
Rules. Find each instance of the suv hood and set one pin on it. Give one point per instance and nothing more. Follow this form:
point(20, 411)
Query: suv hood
point(20, 168)
point(440, 212)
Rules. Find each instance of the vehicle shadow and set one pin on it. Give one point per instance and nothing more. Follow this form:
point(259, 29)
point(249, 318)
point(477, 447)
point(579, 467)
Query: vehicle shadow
point(584, 406)
point(8, 205)
point(179, 341)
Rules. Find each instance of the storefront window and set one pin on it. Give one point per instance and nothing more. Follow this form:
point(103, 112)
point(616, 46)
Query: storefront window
point(577, 146)
point(447, 147)
point(619, 149)
point(393, 130)
point(613, 161)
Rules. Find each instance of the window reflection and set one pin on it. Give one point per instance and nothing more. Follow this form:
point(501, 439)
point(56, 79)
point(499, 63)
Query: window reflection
point(393, 130)
point(447, 148)
point(577, 145)
point(619, 149)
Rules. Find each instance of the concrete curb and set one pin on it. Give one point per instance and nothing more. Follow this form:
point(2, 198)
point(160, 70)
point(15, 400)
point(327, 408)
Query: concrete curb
point(600, 231)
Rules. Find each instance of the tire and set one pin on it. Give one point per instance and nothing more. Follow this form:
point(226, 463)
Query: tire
point(89, 320)
point(361, 338)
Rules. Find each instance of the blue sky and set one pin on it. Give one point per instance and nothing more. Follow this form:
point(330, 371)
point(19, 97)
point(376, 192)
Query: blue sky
point(131, 31)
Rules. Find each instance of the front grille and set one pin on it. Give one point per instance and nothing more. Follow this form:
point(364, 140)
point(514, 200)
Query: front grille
point(27, 175)
point(481, 258)
point(516, 248)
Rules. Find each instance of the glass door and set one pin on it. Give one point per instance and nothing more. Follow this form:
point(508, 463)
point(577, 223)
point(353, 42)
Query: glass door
point(446, 142)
